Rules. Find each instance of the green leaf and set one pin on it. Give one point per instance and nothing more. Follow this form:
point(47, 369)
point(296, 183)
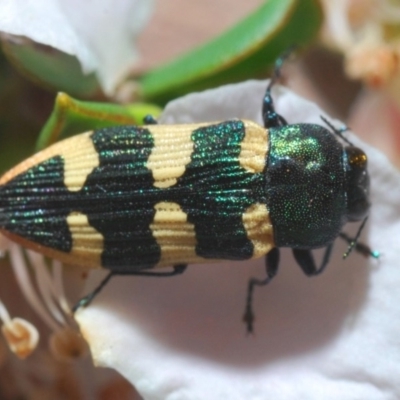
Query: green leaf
point(245, 51)
point(71, 116)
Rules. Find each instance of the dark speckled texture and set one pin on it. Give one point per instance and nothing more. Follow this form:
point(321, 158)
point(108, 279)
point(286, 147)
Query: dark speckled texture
point(305, 186)
point(35, 205)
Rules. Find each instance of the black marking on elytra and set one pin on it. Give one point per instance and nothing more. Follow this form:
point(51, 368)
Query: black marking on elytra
point(35, 205)
point(218, 191)
point(214, 191)
point(119, 196)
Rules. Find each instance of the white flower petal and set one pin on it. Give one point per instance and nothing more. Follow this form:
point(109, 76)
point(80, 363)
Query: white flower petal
point(99, 33)
point(242, 100)
point(334, 336)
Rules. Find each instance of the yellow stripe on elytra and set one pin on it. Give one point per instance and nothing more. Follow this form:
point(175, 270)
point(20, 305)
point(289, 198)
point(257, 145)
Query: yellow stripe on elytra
point(258, 225)
point(174, 234)
point(254, 147)
point(79, 161)
point(173, 147)
point(79, 155)
point(87, 242)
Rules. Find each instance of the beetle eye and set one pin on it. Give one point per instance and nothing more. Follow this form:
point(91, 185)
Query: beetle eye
point(357, 184)
point(356, 157)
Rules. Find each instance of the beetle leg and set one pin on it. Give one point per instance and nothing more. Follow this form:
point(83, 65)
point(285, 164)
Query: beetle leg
point(271, 267)
point(177, 269)
point(149, 120)
point(85, 301)
point(270, 117)
point(306, 261)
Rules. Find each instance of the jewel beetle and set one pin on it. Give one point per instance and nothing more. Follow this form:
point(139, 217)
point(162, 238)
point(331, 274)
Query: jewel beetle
point(134, 198)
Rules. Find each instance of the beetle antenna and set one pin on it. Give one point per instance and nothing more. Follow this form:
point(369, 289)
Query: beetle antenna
point(353, 242)
point(336, 131)
point(359, 247)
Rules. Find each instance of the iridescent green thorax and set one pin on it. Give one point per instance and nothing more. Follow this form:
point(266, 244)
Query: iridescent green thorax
point(305, 186)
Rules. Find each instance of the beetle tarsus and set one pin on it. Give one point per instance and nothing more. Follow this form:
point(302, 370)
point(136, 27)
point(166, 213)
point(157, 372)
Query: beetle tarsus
point(85, 301)
point(248, 316)
point(271, 267)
